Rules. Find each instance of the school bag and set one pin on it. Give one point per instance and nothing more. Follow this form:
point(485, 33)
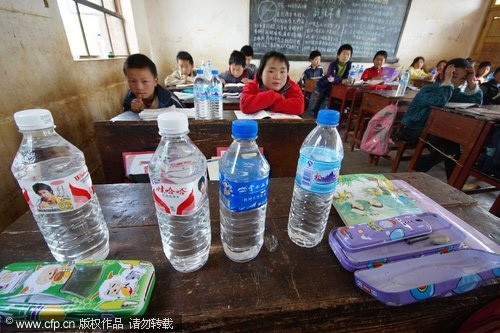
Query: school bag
point(377, 136)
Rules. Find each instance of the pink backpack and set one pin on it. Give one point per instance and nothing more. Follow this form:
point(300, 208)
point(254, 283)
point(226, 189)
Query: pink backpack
point(378, 133)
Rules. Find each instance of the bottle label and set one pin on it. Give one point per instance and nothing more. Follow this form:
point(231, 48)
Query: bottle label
point(215, 93)
point(201, 93)
point(242, 197)
point(317, 176)
point(179, 199)
point(59, 195)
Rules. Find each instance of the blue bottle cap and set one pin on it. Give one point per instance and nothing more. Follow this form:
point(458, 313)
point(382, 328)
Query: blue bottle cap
point(328, 117)
point(215, 72)
point(199, 71)
point(245, 129)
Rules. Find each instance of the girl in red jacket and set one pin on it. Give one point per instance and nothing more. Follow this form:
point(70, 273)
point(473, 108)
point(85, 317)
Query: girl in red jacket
point(272, 89)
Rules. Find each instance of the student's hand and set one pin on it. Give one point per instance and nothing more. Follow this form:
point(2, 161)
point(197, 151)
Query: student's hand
point(330, 79)
point(184, 78)
point(448, 74)
point(345, 82)
point(137, 104)
point(245, 80)
point(471, 75)
point(223, 81)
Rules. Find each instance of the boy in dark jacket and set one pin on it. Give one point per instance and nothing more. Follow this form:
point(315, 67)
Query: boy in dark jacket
point(491, 92)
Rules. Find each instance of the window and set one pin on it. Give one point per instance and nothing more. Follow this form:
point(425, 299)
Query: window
point(95, 28)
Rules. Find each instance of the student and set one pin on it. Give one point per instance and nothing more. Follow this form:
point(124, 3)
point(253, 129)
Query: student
point(491, 91)
point(457, 72)
point(417, 70)
point(483, 71)
point(272, 89)
point(247, 50)
point(314, 69)
point(375, 72)
point(184, 72)
point(145, 92)
point(440, 67)
point(237, 72)
point(338, 73)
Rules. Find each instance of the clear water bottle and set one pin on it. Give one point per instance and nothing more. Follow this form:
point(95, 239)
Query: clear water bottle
point(360, 72)
point(352, 75)
point(178, 179)
point(201, 94)
point(490, 76)
point(215, 96)
point(244, 177)
point(56, 184)
point(317, 172)
point(403, 84)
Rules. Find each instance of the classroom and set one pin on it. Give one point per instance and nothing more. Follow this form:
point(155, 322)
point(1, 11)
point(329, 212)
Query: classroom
point(270, 165)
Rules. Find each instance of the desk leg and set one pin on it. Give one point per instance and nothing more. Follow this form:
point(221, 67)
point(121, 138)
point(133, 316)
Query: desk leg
point(461, 177)
point(356, 128)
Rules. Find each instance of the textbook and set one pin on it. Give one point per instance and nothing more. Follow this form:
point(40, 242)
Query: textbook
point(460, 105)
point(362, 198)
point(264, 115)
point(152, 114)
point(234, 85)
point(184, 96)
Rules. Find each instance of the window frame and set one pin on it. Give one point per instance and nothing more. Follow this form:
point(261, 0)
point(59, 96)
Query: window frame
point(105, 11)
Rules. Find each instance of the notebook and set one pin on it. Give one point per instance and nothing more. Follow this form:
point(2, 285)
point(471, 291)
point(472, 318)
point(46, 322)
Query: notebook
point(265, 114)
point(152, 114)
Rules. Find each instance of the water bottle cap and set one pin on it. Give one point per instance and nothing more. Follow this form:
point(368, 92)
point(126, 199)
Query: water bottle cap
point(33, 119)
point(245, 129)
point(328, 117)
point(199, 71)
point(215, 72)
point(173, 122)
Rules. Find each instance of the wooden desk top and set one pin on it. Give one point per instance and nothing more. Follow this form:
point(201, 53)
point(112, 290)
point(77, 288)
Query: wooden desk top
point(391, 94)
point(484, 112)
point(226, 115)
point(287, 287)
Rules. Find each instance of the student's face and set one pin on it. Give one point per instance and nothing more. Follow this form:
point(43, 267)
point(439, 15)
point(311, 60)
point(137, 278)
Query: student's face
point(248, 59)
point(236, 70)
point(459, 77)
point(185, 67)
point(344, 56)
point(274, 75)
point(379, 61)
point(440, 67)
point(315, 62)
point(485, 70)
point(141, 81)
point(45, 195)
point(419, 64)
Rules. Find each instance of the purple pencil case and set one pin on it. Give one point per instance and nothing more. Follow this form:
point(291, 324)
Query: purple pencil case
point(388, 286)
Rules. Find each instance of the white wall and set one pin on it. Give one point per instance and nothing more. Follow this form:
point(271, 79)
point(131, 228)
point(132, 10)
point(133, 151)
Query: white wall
point(435, 29)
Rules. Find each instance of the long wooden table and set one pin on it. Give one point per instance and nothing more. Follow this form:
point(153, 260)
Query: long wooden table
point(280, 138)
point(470, 131)
point(284, 288)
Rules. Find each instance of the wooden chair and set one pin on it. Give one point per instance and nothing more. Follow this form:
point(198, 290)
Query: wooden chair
point(308, 88)
point(400, 146)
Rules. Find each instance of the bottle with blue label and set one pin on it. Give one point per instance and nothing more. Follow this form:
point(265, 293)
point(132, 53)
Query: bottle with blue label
point(215, 96)
point(244, 177)
point(403, 84)
point(317, 171)
point(201, 95)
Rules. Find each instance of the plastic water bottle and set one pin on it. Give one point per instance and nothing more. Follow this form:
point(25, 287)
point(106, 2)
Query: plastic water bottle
point(360, 72)
point(178, 178)
point(244, 177)
point(317, 172)
point(490, 77)
point(215, 96)
point(403, 84)
point(201, 102)
point(352, 75)
point(56, 184)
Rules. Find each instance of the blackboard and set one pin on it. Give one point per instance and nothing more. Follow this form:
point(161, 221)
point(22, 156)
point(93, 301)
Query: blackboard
point(299, 26)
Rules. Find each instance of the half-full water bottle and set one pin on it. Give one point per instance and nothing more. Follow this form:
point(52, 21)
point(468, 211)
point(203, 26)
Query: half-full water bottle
point(201, 93)
point(244, 177)
point(215, 96)
point(178, 179)
point(317, 172)
point(403, 84)
point(56, 184)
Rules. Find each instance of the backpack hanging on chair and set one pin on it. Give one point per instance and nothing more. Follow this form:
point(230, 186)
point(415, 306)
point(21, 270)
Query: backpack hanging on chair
point(378, 132)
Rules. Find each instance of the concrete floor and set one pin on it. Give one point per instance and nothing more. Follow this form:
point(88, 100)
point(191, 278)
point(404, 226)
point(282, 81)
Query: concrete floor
point(357, 162)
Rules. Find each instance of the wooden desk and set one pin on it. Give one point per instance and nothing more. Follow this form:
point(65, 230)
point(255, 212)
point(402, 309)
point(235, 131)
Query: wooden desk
point(470, 131)
point(419, 83)
point(281, 140)
point(373, 101)
point(288, 288)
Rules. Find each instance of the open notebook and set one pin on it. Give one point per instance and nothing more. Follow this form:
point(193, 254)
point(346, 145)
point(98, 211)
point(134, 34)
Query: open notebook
point(152, 114)
point(265, 114)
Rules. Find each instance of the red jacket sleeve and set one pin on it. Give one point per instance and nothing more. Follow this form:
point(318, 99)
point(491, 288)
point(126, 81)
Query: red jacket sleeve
point(366, 75)
point(292, 103)
point(253, 100)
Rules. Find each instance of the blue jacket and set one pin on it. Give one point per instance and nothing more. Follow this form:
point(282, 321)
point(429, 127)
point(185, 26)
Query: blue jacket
point(165, 99)
point(309, 73)
point(436, 95)
point(323, 83)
